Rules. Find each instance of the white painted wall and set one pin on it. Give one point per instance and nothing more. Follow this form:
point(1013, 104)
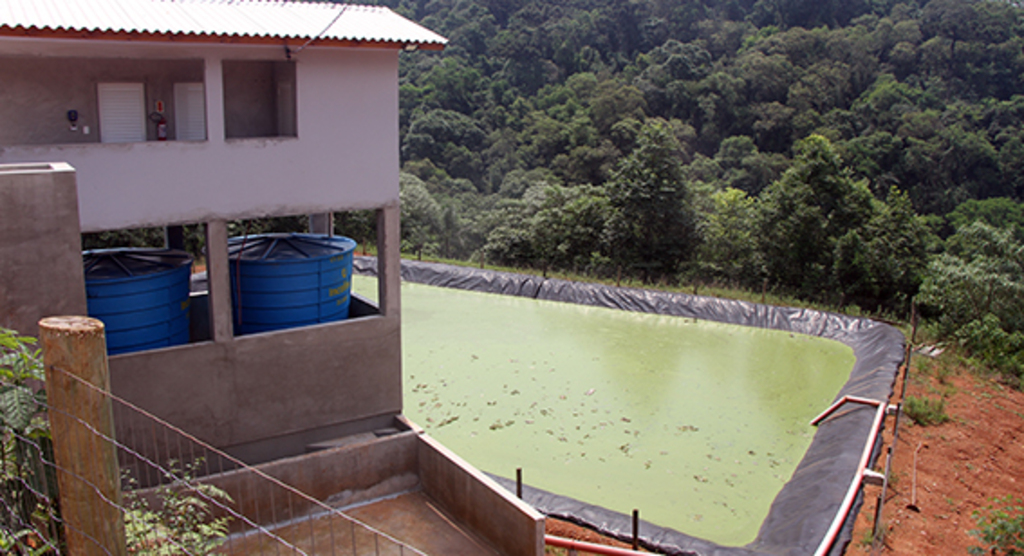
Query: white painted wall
point(345, 157)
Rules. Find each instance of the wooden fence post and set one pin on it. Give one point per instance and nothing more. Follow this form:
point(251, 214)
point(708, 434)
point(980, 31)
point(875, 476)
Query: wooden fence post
point(87, 471)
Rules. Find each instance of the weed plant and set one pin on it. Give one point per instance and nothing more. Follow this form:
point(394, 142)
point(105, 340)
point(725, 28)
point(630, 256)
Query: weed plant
point(183, 521)
point(1000, 528)
point(925, 411)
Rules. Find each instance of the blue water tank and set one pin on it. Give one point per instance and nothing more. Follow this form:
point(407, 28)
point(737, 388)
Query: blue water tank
point(287, 280)
point(141, 295)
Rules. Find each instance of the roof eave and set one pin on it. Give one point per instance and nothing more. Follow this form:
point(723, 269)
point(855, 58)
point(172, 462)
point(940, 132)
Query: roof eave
point(196, 38)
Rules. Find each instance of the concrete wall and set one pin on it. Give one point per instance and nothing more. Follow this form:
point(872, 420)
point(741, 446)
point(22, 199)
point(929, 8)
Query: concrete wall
point(406, 461)
point(352, 474)
point(477, 501)
point(39, 91)
point(270, 386)
point(40, 255)
point(345, 156)
point(266, 396)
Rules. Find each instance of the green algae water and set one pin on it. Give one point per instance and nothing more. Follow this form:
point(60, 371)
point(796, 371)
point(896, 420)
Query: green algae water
point(695, 423)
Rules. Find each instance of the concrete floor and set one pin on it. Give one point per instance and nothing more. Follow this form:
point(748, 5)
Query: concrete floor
point(412, 518)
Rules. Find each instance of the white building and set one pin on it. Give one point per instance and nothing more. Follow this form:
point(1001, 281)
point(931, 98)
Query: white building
point(271, 107)
point(177, 112)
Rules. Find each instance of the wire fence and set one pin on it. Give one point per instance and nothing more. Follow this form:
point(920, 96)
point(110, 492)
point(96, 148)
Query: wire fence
point(172, 493)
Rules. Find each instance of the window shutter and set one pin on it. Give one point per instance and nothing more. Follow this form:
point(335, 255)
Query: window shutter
point(189, 112)
point(122, 109)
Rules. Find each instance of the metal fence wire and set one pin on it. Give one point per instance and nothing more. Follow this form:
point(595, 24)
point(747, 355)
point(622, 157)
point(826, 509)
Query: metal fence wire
point(177, 494)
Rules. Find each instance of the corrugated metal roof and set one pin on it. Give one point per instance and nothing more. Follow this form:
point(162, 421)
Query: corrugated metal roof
point(285, 19)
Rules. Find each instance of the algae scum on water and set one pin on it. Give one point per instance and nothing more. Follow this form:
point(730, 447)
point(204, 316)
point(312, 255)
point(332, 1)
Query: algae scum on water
point(696, 424)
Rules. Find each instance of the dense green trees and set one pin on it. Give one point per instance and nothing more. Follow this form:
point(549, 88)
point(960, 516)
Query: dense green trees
point(976, 291)
point(804, 215)
point(791, 144)
point(651, 224)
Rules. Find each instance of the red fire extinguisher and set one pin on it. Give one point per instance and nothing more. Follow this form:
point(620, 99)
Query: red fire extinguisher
point(161, 125)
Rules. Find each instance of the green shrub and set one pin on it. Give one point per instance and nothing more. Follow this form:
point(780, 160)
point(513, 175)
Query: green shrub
point(183, 521)
point(981, 273)
point(990, 346)
point(27, 481)
point(1000, 528)
point(925, 411)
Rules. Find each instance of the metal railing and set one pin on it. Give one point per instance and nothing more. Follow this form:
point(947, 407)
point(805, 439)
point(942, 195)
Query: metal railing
point(862, 466)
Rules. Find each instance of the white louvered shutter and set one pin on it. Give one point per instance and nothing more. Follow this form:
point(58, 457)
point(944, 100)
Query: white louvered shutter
point(189, 112)
point(122, 112)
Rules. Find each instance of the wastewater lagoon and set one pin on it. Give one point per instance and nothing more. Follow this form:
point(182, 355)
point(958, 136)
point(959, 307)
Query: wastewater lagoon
point(697, 424)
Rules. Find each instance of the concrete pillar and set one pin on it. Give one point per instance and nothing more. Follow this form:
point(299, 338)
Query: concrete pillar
point(219, 281)
point(389, 260)
point(87, 469)
point(321, 224)
point(40, 245)
point(214, 83)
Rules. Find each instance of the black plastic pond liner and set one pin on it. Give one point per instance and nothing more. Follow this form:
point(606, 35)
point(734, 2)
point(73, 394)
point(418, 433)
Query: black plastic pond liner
point(802, 512)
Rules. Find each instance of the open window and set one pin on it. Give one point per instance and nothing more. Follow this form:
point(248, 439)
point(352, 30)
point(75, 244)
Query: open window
point(259, 99)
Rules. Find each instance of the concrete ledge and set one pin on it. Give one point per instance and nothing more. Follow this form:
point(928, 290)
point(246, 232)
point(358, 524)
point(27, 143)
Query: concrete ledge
point(344, 476)
point(509, 524)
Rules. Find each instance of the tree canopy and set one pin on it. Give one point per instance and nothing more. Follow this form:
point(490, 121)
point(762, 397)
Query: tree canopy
point(787, 143)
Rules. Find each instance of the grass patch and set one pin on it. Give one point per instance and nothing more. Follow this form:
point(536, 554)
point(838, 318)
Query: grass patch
point(926, 411)
point(942, 368)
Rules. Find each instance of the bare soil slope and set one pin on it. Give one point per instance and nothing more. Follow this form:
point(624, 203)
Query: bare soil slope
point(961, 466)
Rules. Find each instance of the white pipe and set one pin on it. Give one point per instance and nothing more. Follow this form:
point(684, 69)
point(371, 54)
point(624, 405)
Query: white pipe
point(851, 493)
point(839, 403)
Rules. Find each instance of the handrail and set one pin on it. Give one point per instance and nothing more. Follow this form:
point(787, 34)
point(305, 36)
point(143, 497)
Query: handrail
point(841, 402)
point(858, 480)
point(602, 549)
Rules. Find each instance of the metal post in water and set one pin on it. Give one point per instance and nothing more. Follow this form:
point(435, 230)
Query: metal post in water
point(636, 529)
point(87, 469)
point(519, 482)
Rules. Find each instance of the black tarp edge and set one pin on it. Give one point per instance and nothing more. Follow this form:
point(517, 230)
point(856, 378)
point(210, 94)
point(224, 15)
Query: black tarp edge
point(802, 512)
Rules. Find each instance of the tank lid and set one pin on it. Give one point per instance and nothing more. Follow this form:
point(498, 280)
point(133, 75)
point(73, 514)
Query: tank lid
point(115, 264)
point(288, 247)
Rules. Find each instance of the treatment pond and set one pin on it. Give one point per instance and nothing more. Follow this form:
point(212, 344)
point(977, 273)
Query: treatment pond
point(697, 424)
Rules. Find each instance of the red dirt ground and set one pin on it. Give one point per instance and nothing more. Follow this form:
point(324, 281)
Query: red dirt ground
point(962, 465)
point(570, 531)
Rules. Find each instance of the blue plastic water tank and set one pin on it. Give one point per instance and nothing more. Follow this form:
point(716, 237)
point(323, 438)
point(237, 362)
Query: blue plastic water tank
point(141, 295)
point(287, 280)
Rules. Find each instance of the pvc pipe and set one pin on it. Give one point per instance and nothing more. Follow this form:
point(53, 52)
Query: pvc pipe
point(602, 549)
point(842, 401)
point(851, 493)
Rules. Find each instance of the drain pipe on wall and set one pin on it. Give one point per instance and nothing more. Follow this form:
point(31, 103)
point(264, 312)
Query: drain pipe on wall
point(862, 467)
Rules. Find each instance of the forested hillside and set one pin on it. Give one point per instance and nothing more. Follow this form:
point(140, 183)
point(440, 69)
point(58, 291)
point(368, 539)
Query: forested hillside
point(525, 138)
point(828, 149)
